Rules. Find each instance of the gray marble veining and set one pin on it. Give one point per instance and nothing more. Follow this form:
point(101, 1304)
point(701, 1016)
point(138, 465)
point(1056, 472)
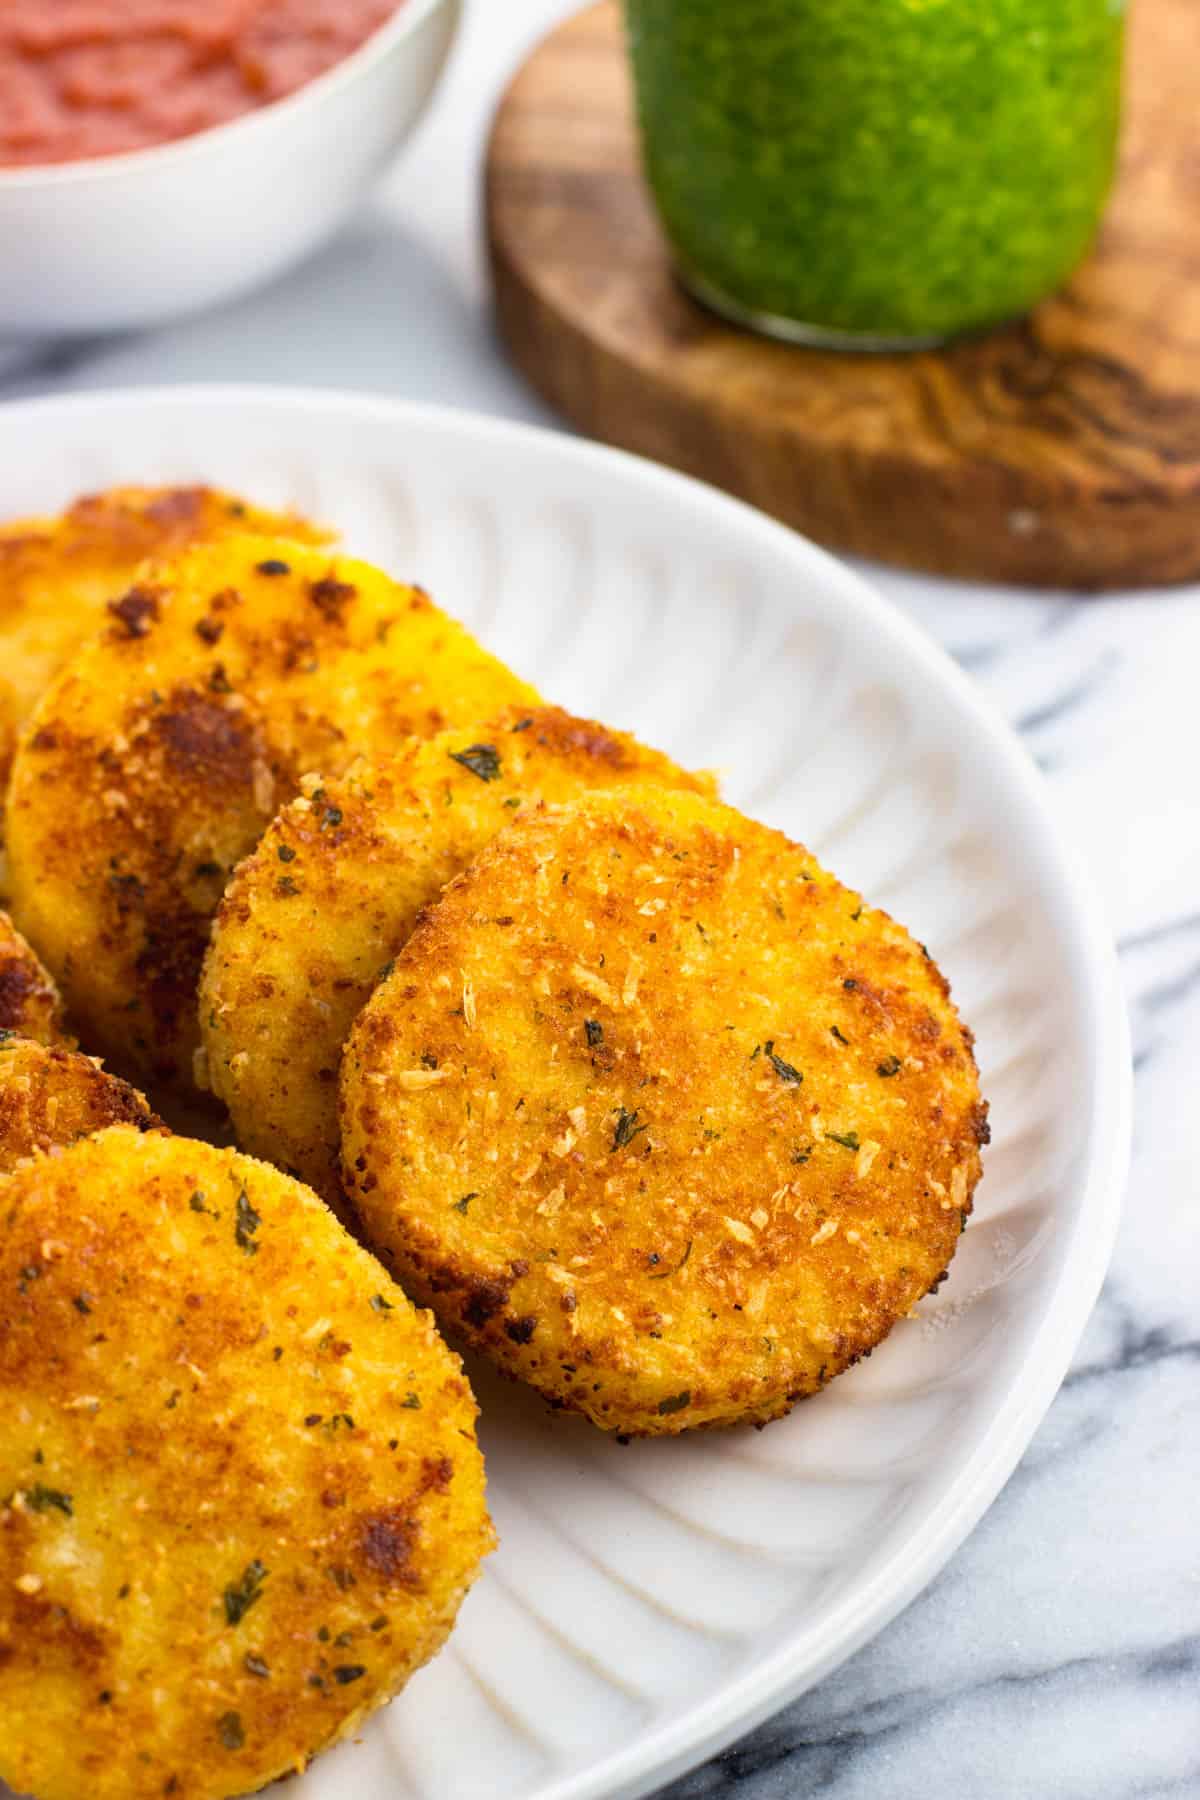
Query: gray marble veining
point(1058, 1656)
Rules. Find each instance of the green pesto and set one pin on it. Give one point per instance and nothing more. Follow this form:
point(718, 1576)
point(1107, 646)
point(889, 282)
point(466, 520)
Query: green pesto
point(890, 168)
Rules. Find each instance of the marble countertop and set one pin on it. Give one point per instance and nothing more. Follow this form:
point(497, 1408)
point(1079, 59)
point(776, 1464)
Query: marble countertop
point(1058, 1655)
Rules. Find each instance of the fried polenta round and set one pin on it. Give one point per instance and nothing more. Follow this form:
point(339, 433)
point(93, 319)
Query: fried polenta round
point(57, 574)
point(29, 1001)
point(242, 1497)
point(659, 1116)
point(310, 919)
point(156, 760)
point(51, 1096)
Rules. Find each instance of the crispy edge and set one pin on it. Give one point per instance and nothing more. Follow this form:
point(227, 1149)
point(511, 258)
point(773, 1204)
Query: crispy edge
point(30, 1003)
point(51, 1096)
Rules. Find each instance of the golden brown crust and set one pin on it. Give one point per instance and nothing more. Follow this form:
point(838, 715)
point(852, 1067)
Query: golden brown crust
point(309, 920)
point(240, 1494)
point(50, 1096)
point(57, 574)
point(154, 762)
point(29, 1001)
point(660, 1116)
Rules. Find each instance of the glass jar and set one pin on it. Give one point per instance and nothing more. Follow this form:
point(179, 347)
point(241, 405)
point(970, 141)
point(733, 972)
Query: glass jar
point(877, 173)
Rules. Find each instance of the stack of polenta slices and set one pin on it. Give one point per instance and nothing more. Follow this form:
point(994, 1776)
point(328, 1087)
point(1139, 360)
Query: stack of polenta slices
point(508, 1017)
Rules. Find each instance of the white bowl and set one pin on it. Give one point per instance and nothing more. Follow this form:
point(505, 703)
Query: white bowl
point(649, 1602)
point(119, 241)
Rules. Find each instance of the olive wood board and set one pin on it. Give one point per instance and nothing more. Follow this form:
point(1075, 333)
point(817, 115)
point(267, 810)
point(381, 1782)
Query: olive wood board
point(1060, 451)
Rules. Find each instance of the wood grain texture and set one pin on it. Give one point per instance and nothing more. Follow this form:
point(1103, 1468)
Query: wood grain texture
point(1061, 451)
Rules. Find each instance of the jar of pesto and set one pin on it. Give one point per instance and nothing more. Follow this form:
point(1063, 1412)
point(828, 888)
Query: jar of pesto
point(877, 173)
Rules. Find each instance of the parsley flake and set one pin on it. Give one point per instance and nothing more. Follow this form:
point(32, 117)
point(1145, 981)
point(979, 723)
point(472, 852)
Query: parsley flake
point(482, 760)
point(626, 1128)
point(248, 1222)
point(40, 1499)
point(241, 1595)
point(230, 1732)
point(784, 1070)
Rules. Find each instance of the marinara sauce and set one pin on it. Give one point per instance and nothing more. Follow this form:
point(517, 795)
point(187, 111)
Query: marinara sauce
point(86, 78)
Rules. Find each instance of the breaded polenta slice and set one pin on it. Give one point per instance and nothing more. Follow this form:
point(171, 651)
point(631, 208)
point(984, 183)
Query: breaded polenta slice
point(155, 761)
point(310, 919)
point(240, 1493)
point(51, 1096)
point(29, 1001)
point(659, 1116)
point(56, 575)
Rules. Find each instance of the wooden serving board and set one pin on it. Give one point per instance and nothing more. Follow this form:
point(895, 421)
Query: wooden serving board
point(1061, 451)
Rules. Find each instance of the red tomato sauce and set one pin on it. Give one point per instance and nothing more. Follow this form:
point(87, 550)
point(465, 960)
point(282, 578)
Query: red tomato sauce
point(84, 78)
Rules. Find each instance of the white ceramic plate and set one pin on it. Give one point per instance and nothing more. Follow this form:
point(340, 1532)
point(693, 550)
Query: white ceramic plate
point(649, 1603)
